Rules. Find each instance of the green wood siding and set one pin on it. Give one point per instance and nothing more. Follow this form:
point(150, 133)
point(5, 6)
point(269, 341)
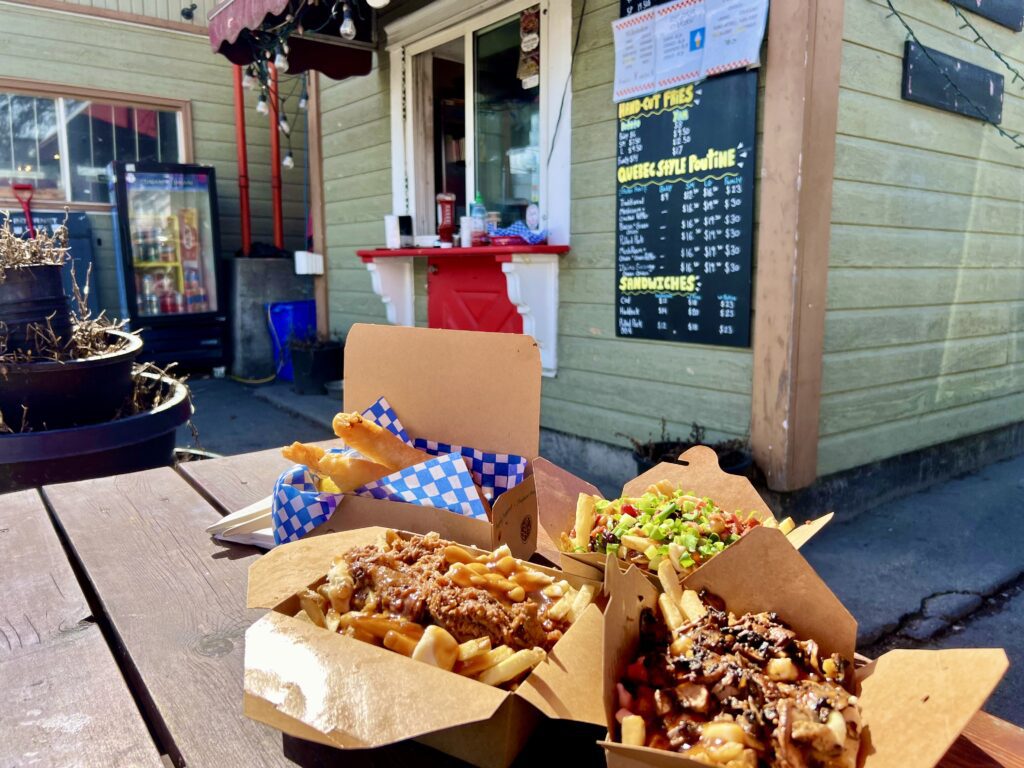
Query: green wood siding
point(924, 338)
point(168, 10)
point(77, 50)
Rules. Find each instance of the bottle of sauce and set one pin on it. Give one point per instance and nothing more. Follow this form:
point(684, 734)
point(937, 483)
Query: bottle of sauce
point(445, 218)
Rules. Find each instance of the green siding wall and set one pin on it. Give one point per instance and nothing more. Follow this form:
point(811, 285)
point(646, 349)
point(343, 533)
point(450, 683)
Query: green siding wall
point(77, 50)
point(168, 10)
point(924, 337)
point(604, 385)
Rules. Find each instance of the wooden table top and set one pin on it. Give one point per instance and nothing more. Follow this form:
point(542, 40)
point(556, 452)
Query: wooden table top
point(122, 625)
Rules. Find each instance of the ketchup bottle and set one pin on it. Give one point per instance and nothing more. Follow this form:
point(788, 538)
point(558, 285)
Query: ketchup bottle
point(446, 217)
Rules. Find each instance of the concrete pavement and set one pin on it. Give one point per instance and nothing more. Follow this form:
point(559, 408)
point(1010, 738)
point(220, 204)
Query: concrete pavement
point(939, 568)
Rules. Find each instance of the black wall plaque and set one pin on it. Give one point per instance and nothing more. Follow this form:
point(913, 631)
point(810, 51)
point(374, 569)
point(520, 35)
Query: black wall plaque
point(629, 7)
point(925, 83)
point(685, 192)
point(1009, 13)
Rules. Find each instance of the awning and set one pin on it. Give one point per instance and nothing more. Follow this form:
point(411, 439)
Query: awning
point(231, 23)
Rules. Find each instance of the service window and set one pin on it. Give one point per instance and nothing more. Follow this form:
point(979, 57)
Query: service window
point(484, 110)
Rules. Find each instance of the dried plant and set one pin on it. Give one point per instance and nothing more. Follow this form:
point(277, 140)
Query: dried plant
point(19, 252)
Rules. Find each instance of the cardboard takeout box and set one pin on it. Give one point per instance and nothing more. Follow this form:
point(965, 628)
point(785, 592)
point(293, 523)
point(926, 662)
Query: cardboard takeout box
point(328, 688)
point(913, 704)
point(480, 390)
point(700, 474)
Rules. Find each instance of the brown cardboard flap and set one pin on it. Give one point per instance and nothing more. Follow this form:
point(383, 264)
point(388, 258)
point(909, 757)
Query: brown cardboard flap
point(557, 493)
point(362, 511)
point(514, 520)
point(462, 387)
point(292, 567)
point(568, 685)
point(916, 703)
point(619, 756)
point(629, 593)
point(762, 572)
point(354, 693)
point(703, 476)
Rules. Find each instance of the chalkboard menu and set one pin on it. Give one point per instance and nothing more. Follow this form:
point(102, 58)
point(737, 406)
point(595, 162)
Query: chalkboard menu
point(685, 192)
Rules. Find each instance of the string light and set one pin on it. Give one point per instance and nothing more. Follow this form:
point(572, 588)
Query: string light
point(289, 160)
point(248, 81)
point(348, 27)
point(283, 125)
point(261, 105)
point(378, 4)
point(281, 60)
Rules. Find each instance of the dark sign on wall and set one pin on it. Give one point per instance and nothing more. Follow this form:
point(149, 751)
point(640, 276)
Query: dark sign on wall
point(1009, 13)
point(685, 191)
point(940, 80)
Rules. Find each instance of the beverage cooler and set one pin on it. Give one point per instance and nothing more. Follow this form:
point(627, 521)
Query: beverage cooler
point(166, 230)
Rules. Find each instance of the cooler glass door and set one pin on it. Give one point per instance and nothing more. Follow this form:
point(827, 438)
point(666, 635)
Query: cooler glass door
point(170, 224)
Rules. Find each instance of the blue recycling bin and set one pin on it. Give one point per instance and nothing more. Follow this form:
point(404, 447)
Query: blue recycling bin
point(289, 320)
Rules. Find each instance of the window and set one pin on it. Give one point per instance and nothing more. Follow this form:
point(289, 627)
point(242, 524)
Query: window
point(480, 105)
point(61, 145)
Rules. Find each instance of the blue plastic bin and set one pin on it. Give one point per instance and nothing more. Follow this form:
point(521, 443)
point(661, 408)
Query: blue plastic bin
point(288, 320)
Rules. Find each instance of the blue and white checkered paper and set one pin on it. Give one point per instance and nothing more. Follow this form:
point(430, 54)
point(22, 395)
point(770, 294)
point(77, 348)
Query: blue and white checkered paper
point(298, 506)
point(446, 482)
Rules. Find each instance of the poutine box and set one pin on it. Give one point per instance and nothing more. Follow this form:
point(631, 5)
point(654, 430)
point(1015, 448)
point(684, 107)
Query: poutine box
point(324, 687)
point(465, 388)
point(913, 703)
point(700, 473)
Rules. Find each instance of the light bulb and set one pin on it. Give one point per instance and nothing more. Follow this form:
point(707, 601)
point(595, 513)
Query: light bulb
point(261, 105)
point(281, 61)
point(377, 4)
point(303, 102)
point(283, 125)
point(348, 27)
point(289, 161)
point(248, 81)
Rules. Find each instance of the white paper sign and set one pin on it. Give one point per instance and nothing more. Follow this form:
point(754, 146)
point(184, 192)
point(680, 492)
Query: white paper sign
point(734, 32)
point(679, 42)
point(634, 55)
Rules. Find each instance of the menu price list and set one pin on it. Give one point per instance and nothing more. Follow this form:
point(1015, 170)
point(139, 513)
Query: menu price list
point(685, 173)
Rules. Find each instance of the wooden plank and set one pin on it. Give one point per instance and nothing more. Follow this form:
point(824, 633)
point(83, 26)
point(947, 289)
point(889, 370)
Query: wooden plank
point(234, 482)
point(867, 246)
point(51, 654)
point(852, 449)
point(899, 287)
point(987, 742)
point(797, 154)
point(176, 600)
point(852, 329)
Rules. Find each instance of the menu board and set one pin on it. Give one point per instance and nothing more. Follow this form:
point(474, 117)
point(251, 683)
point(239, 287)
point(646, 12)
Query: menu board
point(684, 208)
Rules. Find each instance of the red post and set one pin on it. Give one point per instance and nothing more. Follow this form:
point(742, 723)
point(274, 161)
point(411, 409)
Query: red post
point(275, 159)
point(243, 163)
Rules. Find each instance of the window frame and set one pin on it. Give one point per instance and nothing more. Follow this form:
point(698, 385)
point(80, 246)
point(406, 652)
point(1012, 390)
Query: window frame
point(447, 20)
point(57, 91)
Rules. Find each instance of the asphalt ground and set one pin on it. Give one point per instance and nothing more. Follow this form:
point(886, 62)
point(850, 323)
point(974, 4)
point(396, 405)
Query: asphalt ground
point(936, 569)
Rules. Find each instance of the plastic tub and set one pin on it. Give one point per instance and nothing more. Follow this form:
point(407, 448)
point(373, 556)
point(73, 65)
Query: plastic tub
point(33, 296)
point(288, 320)
point(71, 393)
point(138, 442)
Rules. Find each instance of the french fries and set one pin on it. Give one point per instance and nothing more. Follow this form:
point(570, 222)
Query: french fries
point(348, 472)
point(376, 443)
point(303, 453)
point(357, 607)
point(584, 519)
point(512, 667)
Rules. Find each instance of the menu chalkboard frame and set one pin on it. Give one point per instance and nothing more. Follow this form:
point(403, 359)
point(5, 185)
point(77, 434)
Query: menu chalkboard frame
point(655, 298)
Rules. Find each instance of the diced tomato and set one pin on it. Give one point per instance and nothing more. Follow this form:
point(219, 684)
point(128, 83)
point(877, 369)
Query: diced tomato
point(637, 672)
point(628, 509)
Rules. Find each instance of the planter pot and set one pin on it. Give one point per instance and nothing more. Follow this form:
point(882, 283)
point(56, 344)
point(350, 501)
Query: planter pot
point(143, 441)
point(32, 296)
point(314, 366)
point(68, 394)
point(734, 462)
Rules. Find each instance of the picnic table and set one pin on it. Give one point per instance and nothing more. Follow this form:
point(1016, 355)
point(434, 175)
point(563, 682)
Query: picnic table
point(122, 631)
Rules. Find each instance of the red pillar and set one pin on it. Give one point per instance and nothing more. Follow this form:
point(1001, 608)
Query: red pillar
point(243, 163)
point(275, 159)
